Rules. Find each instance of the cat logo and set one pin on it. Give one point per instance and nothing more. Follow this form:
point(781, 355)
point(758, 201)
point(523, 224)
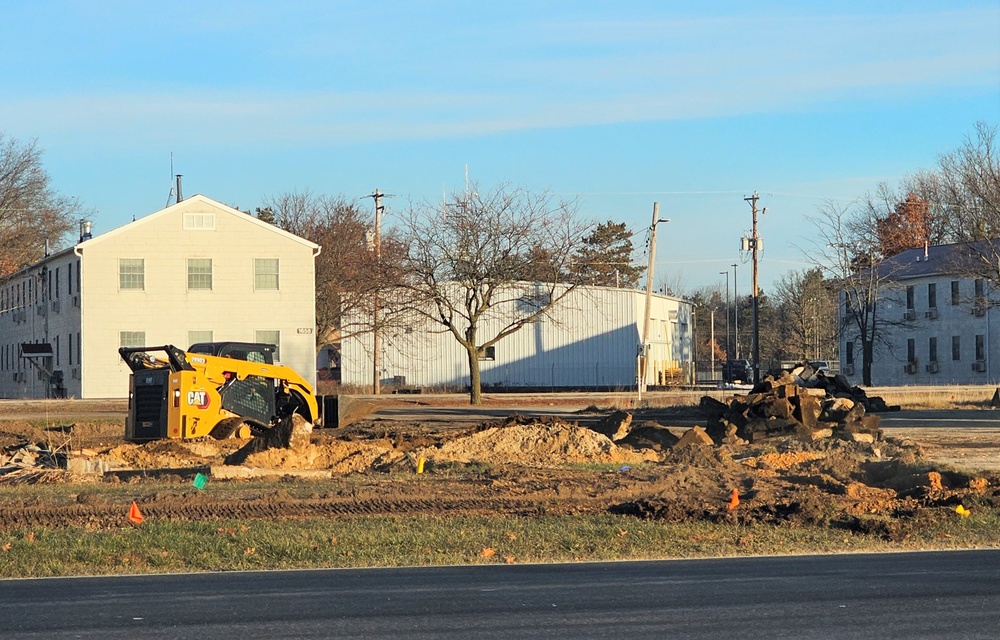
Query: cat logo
point(199, 399)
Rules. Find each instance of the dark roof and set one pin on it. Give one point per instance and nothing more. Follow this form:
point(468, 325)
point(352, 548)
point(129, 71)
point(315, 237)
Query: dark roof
point(943, 259)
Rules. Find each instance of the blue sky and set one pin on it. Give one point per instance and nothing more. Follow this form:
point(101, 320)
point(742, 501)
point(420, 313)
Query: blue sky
point(616, 105)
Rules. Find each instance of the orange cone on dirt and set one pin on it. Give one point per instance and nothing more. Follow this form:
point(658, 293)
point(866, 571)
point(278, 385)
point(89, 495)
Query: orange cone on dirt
point(734, 500)
point(134, 514)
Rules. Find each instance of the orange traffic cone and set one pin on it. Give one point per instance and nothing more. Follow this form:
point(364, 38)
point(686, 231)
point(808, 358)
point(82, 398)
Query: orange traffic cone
point(734, 500)
point(134, 514)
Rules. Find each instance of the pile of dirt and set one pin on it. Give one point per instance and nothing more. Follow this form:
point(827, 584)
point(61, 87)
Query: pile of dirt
point(169, 454)
point(337, 456)
point(535, 445)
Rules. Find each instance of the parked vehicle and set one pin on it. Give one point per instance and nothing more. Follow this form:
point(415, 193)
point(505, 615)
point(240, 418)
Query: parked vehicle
point(737, 371)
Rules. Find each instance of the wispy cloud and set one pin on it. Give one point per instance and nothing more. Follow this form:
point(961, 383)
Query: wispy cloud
point(560, 74)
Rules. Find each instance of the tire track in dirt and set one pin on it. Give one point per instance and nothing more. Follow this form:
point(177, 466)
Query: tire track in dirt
point(114, 515)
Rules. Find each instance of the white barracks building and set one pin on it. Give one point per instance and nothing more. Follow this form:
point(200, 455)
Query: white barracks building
point(197, 271)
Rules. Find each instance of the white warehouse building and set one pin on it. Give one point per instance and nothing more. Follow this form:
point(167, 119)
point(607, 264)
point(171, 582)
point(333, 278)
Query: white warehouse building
point(196, 271)
point(588, 339)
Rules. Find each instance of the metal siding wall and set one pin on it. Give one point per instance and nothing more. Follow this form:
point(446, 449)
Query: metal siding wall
point(589, 340)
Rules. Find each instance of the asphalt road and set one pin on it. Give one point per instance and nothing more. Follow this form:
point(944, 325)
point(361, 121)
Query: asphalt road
point(467, 415)
point(911, 595)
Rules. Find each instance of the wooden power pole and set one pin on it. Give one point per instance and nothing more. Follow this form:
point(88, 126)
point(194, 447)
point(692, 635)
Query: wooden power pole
point(376, 310)
point(754, 245)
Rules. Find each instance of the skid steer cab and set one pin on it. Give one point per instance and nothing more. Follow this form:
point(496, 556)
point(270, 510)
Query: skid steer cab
point(217, 389)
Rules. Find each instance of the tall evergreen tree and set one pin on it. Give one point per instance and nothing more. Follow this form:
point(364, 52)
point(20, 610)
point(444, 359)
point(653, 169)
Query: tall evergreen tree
point(605, 258)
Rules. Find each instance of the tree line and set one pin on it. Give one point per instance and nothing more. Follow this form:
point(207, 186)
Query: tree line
point(457, 261)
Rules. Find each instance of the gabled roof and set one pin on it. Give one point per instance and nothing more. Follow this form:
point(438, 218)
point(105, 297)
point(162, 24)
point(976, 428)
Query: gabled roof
point(943, 259)
point(198, 202)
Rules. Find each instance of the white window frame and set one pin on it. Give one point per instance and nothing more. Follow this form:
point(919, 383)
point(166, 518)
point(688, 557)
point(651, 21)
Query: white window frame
point(200, 335)
point(138, 277)
point(265, 336)
point(191, 275)
point(131, 339)
point(199, 221)
point(259, 274)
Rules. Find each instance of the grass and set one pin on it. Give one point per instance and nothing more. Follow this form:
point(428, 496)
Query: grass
point(384, 541)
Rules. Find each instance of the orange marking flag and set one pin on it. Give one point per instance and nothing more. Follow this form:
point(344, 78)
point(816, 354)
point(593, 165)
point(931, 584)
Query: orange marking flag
point(134, 514)
point(734, 500)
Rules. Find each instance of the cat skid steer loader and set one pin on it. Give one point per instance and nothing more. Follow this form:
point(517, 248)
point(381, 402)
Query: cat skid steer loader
point(217, 389)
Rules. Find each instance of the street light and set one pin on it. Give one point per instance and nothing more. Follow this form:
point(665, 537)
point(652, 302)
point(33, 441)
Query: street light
point(728, 355)
point(736, 316)
point(642, 358)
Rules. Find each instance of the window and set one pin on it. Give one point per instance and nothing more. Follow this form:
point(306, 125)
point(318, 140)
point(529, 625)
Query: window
point(199, 221)
point(265, 273)
point(69, 350)
point(130, 339)
point(932, 350)
point(79, 346)
point(931, 296)
point(199, 273)
point(57, 281)
point(911, 350)
point(954, 292)
point(69, 279)
point(131, 273)
point(909, 298)
point(194, 337)
point(78, 276)
point(849, 355)
point(490, 353)
point(270, 337)
point(956, 347)
point(980, 348)
point(980, 287)
point(57, 350)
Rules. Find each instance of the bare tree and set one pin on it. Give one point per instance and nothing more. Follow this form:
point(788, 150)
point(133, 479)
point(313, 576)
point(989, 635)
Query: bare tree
point(808, 309)
point(352, 279)
point(847, 249)
point(31, 212)
point(467, 259)
point(964, 192)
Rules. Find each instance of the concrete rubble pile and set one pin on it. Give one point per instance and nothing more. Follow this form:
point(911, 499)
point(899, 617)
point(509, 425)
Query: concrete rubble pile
point(28, 463)
point(800, 403)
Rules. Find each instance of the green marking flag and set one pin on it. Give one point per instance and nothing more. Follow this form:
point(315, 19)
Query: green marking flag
point(199, 481)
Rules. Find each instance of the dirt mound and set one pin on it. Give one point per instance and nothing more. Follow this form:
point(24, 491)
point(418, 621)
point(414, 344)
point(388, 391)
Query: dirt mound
point(337, 456)
point(535, 444)
point(169, 454)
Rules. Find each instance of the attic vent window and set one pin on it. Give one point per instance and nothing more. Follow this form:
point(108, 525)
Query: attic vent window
point(199, 222)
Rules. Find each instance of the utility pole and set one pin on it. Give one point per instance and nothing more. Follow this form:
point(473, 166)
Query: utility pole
point(736, 327)
point(377, 310)
point(729, 310)
point(642, 360)
point(754, 246)
point(711, 341)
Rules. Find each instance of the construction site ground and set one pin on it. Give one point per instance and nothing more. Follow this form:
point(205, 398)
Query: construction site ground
point(428, 455)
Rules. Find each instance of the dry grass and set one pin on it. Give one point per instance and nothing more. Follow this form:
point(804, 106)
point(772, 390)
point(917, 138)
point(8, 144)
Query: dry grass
point(386, 541)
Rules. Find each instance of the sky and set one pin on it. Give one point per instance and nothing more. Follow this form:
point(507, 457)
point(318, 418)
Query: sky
point(613, 106)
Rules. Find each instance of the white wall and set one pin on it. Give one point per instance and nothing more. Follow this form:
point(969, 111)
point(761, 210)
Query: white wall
point(589, 339)
point(166, 310)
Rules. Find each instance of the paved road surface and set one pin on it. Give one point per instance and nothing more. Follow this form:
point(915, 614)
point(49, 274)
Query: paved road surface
point(914, 595)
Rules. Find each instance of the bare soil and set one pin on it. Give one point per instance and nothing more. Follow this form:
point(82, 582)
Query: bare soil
point(517, 466)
